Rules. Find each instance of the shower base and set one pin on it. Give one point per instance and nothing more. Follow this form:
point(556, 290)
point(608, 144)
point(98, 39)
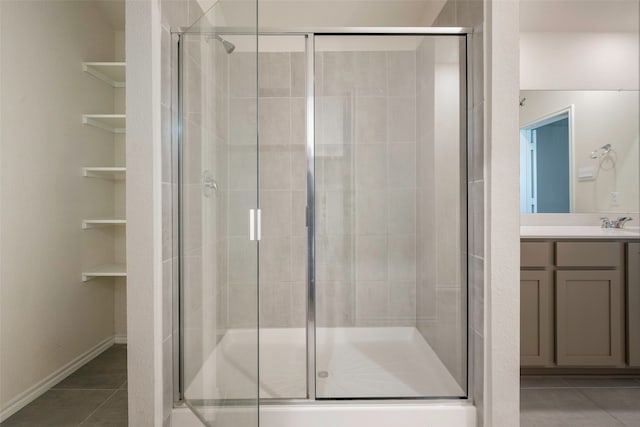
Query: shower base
point(352, 363)
point(379, 414)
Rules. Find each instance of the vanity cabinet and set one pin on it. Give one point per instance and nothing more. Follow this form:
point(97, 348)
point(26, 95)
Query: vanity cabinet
point(573, 304)
point(633, 304)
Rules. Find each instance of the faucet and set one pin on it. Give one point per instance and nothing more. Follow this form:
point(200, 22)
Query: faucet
point(621, 221)
point(606, 222)
point(614, 223)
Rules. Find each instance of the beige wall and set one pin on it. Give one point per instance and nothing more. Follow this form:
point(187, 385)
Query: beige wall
point(49, 317)
point(600, 117)
point(579, 61)
point(502, 231)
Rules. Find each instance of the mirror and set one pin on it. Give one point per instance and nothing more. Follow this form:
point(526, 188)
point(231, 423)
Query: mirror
point(579, 151)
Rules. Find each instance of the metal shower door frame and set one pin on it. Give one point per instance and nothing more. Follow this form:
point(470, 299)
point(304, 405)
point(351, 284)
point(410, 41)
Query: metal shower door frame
point(466, 125)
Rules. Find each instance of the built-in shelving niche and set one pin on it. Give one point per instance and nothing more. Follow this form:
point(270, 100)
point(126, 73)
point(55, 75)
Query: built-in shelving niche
point(115, 123)
point(114, 74)
point(102, 222)
point(105, 270)
point(111, 172)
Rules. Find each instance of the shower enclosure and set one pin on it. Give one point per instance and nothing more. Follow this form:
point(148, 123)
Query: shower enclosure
point(322, 218)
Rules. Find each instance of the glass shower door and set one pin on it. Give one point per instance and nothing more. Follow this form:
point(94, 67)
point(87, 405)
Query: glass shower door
point(219, 227)
point(390, 217)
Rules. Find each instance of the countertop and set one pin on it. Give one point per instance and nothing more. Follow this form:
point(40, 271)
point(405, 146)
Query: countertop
point(577, 232)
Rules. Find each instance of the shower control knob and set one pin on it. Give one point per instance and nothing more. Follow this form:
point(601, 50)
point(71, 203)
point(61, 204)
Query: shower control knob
point(209, 185)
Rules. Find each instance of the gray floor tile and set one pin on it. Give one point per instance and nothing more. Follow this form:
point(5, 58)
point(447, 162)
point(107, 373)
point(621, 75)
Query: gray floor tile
point(107, 371)
point(59, 408)
point(113, 413)
point(82, 379)
point(96, 394)
point(587, 382)
point(112, 360)
point(622, 403)
point(542, 382)
point(557, 407)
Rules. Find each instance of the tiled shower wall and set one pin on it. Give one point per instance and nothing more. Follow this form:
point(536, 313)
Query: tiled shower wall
point(205, 237)
point(282, 185)
point(471, 13)
point(365, 188)
point(441, 308)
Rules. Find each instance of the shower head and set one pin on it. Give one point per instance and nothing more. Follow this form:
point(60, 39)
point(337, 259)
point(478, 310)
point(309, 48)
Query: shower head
point(601, 152)
point(228, 46)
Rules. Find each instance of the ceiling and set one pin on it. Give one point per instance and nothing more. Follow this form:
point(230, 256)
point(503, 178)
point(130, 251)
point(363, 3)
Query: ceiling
point(348, 13)
point(535, 15)
point(325, 13)
point(579, 16)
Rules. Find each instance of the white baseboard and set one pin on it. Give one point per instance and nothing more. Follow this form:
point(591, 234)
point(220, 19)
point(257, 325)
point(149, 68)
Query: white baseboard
point(120, 339)
point(38, 389)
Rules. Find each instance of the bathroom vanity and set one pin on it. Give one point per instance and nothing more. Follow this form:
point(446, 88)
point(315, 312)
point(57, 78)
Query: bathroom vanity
point(580, 298)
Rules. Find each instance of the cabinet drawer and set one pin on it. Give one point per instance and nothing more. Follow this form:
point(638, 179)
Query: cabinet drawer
point(536, 254)
point(589, 254)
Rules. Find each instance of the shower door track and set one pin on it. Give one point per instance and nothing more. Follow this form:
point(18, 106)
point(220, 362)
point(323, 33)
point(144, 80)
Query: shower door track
point(336, 31)
point(309, 34)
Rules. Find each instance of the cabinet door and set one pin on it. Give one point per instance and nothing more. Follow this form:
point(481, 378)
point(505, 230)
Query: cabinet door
point(589, 318)
point(536, 318)
point(633, 303)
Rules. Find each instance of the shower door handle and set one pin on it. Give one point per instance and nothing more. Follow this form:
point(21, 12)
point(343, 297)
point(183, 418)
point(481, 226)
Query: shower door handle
point(255, 224)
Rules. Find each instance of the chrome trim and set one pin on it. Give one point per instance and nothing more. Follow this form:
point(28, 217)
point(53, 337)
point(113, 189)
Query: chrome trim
point(255, 224)
point(360, 401)
point(259, 225)
point(178, 243)
point(252, 224)
point(466, 138)
point(311, 255)
point(383, 31)
point(310, 157)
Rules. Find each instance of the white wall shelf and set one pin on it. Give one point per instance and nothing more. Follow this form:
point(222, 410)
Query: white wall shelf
point(112, 73)
point(115, 173)
point(115, 123)
point(101, 222)
point(105, 270)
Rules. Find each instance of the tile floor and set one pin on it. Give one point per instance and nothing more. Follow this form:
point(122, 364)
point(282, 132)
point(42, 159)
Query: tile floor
point(579, 402)
point(94, 395)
